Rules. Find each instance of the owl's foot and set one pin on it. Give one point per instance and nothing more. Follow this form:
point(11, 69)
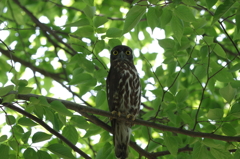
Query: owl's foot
point(116, 113)
point(131, 117)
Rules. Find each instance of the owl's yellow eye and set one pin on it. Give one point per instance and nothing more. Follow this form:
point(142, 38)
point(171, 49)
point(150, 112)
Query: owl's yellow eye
point(115, 52)
point(128, 52)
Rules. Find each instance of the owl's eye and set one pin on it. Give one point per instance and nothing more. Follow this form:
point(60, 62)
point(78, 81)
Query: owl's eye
point(128, 52)
point(115, 52)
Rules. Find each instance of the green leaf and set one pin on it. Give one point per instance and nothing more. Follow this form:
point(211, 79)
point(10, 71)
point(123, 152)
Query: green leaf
point(172, 144)
point(165, 17)
point(60, 108)
point(10, 119)
point(222, 9)
point(100, 45)
point(26, 136)
point(4, 151)
point(84, 31)
point(81, 22)
point(24, 90)
point(3, 138)
point(114, 32)
point(105, 151)
point(237, 18)
point(114, 42)
point(182, 95)
point(210, 3)
point(210, 143)
point(98, 21)
point(214, 114)
point(40, 136)
point(220, 153)
point(14, 145)
point(208, 40)
point(183, 12)
point(228, 129)
point(235, 110)
point(189, 2)
point(80, 122)
point(6, 90)
point(167, 43)
point(26, 122)
point(199, 151)
point(152, 18)
point(235, 68)
point(219, 51)
point(100, 98)
point(61, 151)
point(30, 153)
point(228, 93)
point(83, 78)
point(177, 28)
point(70, 133)
point(43, 155)
point(133, 17)
point(9, 98)
point(89, 11)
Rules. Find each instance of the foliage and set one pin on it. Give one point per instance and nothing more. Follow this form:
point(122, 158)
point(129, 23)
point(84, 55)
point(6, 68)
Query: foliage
point(190, 91)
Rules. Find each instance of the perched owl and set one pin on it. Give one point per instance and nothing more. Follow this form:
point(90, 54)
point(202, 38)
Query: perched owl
point(123, 93)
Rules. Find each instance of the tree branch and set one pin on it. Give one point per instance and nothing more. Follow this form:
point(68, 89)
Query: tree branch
point(84, 109)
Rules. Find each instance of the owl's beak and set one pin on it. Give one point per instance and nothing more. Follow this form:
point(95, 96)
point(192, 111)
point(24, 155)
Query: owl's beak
point(122, 55)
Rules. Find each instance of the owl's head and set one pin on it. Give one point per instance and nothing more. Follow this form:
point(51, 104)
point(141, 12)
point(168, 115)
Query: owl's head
point(121, 53)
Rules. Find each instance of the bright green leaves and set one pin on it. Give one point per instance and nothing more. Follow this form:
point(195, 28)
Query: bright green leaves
point(70, 133)
point(4, 149)
point(184, 13)
point(79, 23)
point(152, 17)
point(85, 31)
point(100, 98)
point(238, 20)
point(199, 151)
point(6, 90)
point(30, 153)
point(219, 51)
point(89, 11)
point(61, 151)
point(40, 136)
point(182, 95)
point(171, 143)
point(228, 93)
point(214, 114)
point(228, 129)
point(177, 28)
point(222, 9)
point(60, 108)
point(133, 17)
point(98, 21)
point(114, 32)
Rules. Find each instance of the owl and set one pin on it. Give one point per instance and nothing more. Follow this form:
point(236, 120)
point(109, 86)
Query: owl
point(123, 94)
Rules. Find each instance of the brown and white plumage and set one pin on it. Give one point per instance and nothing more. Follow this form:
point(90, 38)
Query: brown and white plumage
point(123, 92)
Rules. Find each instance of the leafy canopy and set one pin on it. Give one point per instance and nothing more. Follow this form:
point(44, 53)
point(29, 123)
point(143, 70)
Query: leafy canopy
point(187, 55)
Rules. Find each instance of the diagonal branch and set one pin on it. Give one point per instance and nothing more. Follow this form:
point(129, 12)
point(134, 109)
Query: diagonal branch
point(23, 112)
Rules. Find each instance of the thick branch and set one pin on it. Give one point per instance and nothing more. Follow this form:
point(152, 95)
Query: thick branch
point(83, 109)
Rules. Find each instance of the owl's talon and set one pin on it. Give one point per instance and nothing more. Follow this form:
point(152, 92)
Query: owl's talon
point(116, 112)
point(130, 116)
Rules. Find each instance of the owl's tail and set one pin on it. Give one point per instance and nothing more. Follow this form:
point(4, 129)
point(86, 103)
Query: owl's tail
point(121, 139)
